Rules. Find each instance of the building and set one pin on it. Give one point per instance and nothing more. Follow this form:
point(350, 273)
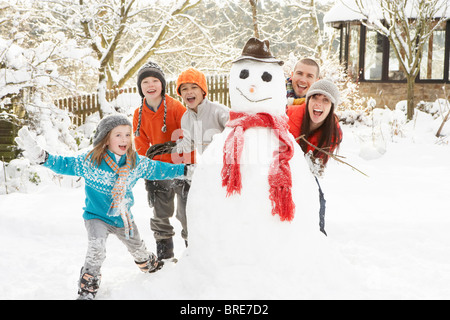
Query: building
point(371, 62)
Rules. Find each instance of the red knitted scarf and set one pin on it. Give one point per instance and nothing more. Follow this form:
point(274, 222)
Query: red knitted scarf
point(280, 179)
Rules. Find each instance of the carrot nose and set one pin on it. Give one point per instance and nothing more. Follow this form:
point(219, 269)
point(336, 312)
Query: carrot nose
point(252, 89)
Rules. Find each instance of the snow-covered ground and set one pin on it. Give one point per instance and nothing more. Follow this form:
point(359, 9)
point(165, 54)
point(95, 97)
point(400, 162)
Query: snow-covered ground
point(389, 227)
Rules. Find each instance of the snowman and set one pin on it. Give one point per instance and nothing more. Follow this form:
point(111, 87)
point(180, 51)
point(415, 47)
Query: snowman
point(253, 175)
point(253, 205)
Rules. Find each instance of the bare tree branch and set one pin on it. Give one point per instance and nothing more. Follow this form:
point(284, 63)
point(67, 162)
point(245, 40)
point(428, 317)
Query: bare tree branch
point(335, 157)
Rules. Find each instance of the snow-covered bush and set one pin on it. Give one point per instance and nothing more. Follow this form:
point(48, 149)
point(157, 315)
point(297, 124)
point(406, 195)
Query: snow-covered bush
point(19, 176)
point(30, 74)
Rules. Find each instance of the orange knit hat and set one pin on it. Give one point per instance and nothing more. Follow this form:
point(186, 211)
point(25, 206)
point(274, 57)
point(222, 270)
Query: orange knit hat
point(192, 75)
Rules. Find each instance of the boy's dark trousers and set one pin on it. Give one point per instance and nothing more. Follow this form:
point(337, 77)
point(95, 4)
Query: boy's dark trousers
point(161, 196)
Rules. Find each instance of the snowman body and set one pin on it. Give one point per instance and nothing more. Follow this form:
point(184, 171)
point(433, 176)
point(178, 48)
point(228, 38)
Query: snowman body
point(241, 227)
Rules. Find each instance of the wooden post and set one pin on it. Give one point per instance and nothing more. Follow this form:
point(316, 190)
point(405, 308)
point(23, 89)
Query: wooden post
point(4, 173)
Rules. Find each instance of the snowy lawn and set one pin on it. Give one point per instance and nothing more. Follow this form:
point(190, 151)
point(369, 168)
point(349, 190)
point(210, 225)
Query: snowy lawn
point(393, 225)
point(392, 228)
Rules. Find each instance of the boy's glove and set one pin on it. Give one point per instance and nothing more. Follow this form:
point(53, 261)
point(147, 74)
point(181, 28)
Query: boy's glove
point(189, 171)
point(160, 148)
point(32, 151)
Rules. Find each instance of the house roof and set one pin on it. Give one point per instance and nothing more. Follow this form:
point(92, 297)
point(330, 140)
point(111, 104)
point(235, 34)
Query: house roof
point(347, 10)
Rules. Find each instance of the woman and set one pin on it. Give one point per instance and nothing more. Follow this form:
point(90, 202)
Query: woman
point(319, 125)
point(316, 122)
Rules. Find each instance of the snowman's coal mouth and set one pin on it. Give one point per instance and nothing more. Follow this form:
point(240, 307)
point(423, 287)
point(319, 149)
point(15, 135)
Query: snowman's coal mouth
point(251, 100)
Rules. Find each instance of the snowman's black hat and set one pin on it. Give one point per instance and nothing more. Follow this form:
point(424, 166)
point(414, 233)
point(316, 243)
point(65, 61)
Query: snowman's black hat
point(258, 50)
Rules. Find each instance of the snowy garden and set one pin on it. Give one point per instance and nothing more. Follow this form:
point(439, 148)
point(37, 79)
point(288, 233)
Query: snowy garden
point(386, 211)
point(387, 229)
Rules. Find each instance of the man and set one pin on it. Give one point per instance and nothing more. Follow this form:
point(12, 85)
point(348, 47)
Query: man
point(305, 73)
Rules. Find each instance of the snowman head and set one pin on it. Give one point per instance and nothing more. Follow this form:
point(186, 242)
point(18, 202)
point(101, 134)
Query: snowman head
point(257, 81)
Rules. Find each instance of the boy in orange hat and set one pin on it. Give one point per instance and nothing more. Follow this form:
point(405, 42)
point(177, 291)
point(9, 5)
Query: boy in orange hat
point(203, 118)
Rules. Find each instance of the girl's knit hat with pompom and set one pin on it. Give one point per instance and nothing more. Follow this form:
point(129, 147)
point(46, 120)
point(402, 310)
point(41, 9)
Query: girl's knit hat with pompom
point(195, 76)
point(151, 69)
point(107, 124)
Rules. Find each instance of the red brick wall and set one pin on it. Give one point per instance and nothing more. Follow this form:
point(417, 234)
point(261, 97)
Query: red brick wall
point(390, 93)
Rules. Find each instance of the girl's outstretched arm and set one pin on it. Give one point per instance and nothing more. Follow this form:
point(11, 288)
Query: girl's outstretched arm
point(158, 170)
point(37, 155)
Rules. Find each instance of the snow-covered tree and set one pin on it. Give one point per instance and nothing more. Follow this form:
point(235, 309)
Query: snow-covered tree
point(28, 73)
point(124, 34)
point(121, 41)
point(114, 38)
point(319, 42)
point(254, 6)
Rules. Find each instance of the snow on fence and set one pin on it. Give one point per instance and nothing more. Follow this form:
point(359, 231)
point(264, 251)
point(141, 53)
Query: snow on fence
point(83, 106)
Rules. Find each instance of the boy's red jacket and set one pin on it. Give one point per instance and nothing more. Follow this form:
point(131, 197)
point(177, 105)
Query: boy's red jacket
point(150, 132)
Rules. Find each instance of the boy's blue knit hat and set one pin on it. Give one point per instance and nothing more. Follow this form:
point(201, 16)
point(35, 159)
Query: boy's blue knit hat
point(151, 69)
point(107, 124)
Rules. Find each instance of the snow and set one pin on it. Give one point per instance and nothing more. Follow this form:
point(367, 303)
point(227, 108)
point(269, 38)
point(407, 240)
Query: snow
point(390, 228)
point(387, 232)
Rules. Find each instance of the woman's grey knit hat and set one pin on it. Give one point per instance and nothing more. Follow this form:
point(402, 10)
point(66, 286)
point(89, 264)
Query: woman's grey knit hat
point(325, 87)
point(107, 124)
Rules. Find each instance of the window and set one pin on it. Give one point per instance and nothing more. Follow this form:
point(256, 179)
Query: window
point(343, 46)
point(373, 60)
point(395, 72)
point(432, 64)
point(380, 62)
point(447, 52)
point(353, 52)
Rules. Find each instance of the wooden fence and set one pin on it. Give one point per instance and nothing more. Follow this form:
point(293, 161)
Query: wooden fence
point(7, 133)
point(83, 106)
point(9, 127)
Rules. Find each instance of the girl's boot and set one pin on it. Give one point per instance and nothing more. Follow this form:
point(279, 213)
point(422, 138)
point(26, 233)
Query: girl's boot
point(151, 265)
point(88, 286)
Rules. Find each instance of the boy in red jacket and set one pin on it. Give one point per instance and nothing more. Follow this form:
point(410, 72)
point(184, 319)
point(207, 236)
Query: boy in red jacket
point(158, 121)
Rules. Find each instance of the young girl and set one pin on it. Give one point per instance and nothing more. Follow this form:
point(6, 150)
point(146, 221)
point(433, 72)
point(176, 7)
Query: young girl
point(319, 125)
point(110, 171)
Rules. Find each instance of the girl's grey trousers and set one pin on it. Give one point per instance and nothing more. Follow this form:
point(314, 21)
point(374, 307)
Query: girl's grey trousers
point(98, 231)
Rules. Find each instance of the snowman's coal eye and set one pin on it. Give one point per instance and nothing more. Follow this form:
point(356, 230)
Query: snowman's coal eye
point(267, 77)
point(244, 74)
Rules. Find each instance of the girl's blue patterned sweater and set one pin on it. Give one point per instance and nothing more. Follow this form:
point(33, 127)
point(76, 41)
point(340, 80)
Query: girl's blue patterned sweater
point(100, 180)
